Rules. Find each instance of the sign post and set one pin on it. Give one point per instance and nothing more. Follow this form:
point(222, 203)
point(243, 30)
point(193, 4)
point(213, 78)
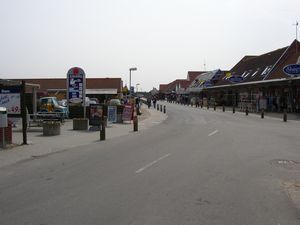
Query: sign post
point(76, 85)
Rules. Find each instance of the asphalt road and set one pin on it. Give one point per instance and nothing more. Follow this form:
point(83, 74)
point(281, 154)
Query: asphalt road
point(198, 167)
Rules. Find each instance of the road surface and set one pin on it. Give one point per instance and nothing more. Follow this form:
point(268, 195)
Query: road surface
point(198, 167)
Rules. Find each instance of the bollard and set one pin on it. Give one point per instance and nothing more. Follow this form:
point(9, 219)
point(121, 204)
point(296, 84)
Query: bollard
point(135, 123)
point(223, 108)
point(161, 108)
point(215, 106)
point(157, 107)
point(102, 129)
point(284, 115)
point(247, 111)
point(233, 109)
point(164, 109)
point(201, 105)
point(262, 113)
point(207, 106)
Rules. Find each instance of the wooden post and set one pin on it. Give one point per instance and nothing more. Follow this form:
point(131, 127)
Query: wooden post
point(24, 112)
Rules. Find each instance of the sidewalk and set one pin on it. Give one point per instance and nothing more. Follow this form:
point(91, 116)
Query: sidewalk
point(39, 145)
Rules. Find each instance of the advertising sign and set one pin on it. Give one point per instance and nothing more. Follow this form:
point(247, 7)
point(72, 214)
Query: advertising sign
point(112, 114)
point(127, 113)
point(96, 114)
point(292, 70)
point(235, 79)
point(10, 99)
point(76, 85)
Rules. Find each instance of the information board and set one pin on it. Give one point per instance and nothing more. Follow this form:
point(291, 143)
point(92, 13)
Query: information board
point(112, 114)
point(96, 114)
point(10, 99)
point(127, 113)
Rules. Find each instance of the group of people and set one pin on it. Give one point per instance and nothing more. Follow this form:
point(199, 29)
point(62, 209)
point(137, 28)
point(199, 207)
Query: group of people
point(154, 100)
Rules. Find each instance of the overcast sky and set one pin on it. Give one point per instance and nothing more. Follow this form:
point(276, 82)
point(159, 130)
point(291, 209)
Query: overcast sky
point(162, 38)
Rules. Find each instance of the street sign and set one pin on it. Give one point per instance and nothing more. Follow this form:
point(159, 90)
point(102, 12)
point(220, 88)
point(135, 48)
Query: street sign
point(292, 70)
point(76, 85)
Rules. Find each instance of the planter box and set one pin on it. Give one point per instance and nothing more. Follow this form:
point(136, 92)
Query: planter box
point(51, 128)
point(80, 124)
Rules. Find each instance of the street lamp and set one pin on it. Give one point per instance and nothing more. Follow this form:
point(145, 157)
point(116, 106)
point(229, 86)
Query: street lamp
point(137, 87)
point(131, 69)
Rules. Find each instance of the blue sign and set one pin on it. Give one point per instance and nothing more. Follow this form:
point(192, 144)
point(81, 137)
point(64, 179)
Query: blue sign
point(207, 83)
point(292, 70)
point(235, 79)
point(112, 114)
point(76, 85)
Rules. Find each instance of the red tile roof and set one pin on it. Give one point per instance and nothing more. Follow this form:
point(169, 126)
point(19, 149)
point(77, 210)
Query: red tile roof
point(91, 83)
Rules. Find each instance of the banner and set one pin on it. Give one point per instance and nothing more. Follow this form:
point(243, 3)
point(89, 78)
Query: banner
point(96, 114)
point(10, 98)
point(127, 113)
point(112, 114)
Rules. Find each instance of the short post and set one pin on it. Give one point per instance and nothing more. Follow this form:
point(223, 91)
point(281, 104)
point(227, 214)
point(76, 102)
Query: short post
point(233, 109)
point(262, 113)
point(164, 109)
point(207, 106)
point(247, 111)
point(284, 115)
point(135, 123)
point(102, 129)
point(161, 108)
point(3, 138)
point(215, 106)
point(201, 105)
point(157, 107)
point(223, 108)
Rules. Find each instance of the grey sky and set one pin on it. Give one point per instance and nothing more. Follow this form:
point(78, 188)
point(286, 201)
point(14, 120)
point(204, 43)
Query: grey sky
point(162, 38)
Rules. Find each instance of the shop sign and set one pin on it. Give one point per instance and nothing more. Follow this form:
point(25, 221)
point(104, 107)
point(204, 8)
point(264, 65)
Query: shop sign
point(235, 79)
point(292, 70)
point(112, 114)
point(76, 85)
point(127, 113)
point(10, 98)
point(207, 83)
point(96, 114)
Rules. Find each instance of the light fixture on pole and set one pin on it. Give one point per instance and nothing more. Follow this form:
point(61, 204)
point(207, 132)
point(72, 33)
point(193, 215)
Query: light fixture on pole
point(131, 69)
point(137, 87)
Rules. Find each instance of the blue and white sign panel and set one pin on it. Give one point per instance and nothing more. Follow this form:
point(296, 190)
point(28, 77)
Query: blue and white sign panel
point(235, 79)
point(10, 99)
point(76, 85)
point(292, 70)
point(112, 114)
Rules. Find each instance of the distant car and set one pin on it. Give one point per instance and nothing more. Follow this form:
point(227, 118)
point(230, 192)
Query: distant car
point(88, 101)
point(63, 102)
point(114, 101)
point(94, 99)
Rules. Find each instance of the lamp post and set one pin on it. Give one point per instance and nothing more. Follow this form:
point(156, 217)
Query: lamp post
point(137, 85)
point(131, 69)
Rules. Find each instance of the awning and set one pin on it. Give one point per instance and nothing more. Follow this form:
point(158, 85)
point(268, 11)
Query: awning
point(111, 91)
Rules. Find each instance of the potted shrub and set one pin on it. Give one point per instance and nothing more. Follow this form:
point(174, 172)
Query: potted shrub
point(51, 128)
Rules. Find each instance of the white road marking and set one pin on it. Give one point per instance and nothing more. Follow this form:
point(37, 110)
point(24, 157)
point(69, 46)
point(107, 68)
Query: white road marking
point(212, 133)
point(152, 163)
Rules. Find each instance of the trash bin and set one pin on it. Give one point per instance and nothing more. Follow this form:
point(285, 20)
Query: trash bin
point(5, 128)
